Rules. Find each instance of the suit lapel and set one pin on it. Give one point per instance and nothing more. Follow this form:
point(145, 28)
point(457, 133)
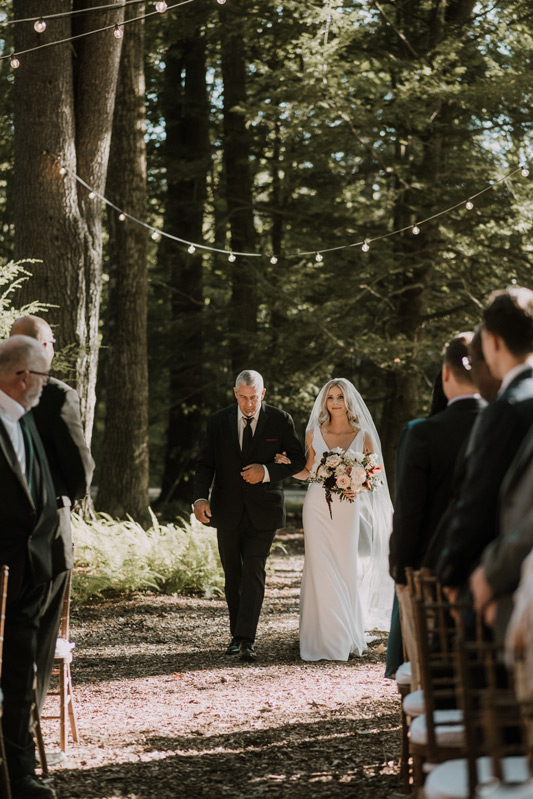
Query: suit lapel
point(232, 421)
point(259, 428)
point(11, 456)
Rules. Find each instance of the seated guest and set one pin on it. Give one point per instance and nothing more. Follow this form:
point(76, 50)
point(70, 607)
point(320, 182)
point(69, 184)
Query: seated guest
point(507, 339)
point(495, 580)
point(519, 637)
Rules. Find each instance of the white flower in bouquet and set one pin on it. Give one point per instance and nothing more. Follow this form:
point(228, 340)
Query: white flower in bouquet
point(341, 469)
point(359, 457)
point(343, 481)
point(333, 460)
point(358, 477)
point(323, 472)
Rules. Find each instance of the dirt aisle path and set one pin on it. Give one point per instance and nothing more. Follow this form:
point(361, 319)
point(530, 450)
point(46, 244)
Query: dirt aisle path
point(164, 713)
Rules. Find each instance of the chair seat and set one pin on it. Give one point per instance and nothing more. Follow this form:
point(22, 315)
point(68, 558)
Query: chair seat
point(449, 729)
point(413, 704)
point(450, 780)
point(404, 674)
point(501, 791)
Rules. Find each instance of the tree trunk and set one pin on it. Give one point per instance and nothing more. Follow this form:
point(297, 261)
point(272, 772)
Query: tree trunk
point(238, 184)
point(124, 491)
point(187, 160)
point(64, 100)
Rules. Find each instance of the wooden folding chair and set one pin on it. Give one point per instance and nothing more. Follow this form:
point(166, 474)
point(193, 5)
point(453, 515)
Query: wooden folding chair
point(61, 669)
point(5, 787)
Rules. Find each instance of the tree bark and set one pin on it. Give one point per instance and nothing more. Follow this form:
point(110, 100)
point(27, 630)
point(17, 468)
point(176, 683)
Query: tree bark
point(187, 161)
point(124, 491)
point(64, 100)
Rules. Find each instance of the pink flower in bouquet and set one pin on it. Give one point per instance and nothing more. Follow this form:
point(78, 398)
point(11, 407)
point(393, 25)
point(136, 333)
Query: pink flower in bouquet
point(344, 481)
point(358, 477)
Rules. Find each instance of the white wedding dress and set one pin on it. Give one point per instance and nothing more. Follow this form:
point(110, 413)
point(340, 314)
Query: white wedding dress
point(331, 613)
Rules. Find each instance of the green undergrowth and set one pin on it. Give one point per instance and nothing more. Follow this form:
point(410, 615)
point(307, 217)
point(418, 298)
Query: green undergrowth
point(113, 556)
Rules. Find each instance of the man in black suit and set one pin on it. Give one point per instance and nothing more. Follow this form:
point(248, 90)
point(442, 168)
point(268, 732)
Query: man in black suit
point(58, 421)
point(507, 338)
point(430, 452)
point(28, 520)
point(246, 503)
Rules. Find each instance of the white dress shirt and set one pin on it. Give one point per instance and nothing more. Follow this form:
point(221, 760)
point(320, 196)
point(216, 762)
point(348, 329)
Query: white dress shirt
point(241, 424)
point(511, 374)
point(10, 413)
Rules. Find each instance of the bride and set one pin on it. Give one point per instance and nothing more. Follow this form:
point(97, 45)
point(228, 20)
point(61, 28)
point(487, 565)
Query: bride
point(346, 588)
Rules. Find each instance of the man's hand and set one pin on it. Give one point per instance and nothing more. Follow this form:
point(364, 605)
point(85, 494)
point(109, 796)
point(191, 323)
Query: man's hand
point(253, 473)
point(202, 511)
point(480, 588)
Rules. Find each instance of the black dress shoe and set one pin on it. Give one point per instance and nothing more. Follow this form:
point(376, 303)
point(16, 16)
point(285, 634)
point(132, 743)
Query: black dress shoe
point(233, 648)
point(247, 651)
point(29, 787)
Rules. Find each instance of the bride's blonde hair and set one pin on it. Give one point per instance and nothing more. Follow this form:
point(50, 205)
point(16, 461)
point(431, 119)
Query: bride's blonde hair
point(349, 401)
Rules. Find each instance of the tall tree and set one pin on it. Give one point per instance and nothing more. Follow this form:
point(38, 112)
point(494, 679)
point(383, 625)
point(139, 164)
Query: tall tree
point(124, 491)
point(64, 100)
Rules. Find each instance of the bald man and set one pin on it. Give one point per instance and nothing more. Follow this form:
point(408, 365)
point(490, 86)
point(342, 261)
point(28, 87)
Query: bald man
point(58, 421)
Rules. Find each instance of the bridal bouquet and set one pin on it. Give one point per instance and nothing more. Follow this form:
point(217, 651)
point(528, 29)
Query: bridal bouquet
point(340, 471)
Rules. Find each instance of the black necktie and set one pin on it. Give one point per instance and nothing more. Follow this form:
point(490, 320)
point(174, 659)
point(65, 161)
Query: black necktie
point(247, 438)
point(30, 459)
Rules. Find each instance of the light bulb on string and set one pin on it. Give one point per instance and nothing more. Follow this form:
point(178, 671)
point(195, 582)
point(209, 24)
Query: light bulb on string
point(122, 217)
point(191, 249)
point(15, 63)
point(366, 246)
point(62, 171)
point(524, 172)
point(118, 33)
point(273, 260)
point(469, 205)
point(416, 230)
point(319, 257)
point(39, 26)
point(161, 6)
point(155, 236)
point(92, 195)
point(221, 2)
point(231, 258)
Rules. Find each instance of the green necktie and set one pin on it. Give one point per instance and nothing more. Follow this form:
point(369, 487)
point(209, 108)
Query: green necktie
point(30, 458)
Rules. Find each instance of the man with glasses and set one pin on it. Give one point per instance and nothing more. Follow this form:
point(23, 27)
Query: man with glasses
point(58, 420)
point(28, 520)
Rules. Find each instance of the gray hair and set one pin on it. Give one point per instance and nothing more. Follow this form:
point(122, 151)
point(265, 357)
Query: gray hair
point(249, 377)
point(21, 352)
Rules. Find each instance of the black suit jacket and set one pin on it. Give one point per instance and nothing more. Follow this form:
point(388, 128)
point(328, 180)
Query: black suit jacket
point(26, 530)
point(58, 420)
point(424, 484)
point(220, 459)
point(498, 436)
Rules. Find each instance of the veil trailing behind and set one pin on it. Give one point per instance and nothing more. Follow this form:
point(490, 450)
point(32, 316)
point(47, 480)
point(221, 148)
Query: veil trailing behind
point(375, 586)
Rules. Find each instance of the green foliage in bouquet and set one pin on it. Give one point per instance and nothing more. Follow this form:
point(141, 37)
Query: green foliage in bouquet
point(120, 556)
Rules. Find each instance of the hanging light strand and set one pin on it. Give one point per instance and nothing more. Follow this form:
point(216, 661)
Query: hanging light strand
point(89, 33)
point(364, 244)
point(73, 12)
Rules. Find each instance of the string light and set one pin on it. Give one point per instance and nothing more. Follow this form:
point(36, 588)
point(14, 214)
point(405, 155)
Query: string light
point(62, 171)
point(156, 236)
point(39, 26)
point(72, 12)
point(221, 2)
point(469, 205)
point(161, 6)
point(191, 247)
point(122, 217)
point(15, 63)
point(92, 195)
point(118, 33)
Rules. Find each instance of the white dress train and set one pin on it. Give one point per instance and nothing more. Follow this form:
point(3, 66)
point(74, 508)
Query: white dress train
point(331, 616)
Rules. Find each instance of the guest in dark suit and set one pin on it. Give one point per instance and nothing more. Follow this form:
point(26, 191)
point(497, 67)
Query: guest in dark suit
point(495, 580)
point(246, 504)
point(58, 422)
point(430, 451)
point(507, 338)
point(28, 520)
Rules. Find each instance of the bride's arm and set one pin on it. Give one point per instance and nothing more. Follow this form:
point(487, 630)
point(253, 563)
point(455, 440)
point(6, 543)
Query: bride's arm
point(310, 454)
point(368, 446)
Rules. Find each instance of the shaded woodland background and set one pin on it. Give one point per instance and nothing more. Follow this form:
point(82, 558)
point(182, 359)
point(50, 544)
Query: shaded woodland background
point(267, 128)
